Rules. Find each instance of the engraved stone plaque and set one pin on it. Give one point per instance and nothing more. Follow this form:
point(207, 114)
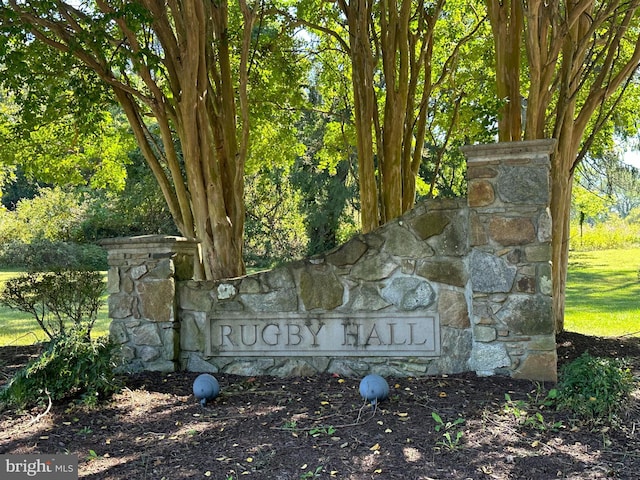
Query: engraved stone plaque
point(389, 334)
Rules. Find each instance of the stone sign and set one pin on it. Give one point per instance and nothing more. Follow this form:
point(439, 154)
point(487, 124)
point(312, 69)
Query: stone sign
point(323, 334)
point(453, 285)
